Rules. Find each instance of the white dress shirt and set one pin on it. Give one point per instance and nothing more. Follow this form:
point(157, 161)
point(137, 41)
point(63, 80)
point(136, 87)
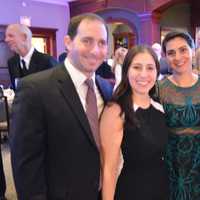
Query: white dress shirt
point(79, 79)
point(27, 58)
point(118, 75)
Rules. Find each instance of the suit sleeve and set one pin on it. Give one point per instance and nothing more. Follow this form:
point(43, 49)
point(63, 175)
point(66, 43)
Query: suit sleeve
point(52, 62)
point(12, 78)
point(27, 140)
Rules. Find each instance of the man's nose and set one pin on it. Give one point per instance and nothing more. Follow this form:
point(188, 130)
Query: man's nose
point(95, 48)
point(177, 56)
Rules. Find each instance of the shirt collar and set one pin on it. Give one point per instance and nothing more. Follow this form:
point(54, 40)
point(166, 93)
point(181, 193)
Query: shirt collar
point(77, 76)
point(28, 56)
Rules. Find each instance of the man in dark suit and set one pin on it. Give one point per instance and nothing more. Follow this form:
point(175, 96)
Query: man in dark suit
point(54, 140)
point(27, 60)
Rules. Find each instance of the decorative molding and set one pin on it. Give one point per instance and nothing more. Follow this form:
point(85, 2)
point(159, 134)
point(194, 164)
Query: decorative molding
point(57, 2)
point(145, 16)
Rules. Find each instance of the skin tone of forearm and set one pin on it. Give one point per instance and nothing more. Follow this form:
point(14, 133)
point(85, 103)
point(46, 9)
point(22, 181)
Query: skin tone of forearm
point(110, 175)
point(111, 133)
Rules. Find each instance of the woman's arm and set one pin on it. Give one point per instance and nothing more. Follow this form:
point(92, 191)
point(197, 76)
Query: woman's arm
point(111, 133)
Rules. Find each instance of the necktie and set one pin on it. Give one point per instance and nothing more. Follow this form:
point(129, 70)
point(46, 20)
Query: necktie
point(92, 111)
point(92, 115)
point(24, 69)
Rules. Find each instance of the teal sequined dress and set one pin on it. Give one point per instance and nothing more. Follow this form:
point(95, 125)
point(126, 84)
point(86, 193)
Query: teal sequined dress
point(182, 109)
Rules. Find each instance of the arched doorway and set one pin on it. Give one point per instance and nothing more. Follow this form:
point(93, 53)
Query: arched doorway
point(124, 25)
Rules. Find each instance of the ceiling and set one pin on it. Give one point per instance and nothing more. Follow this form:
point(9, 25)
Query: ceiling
point(58, 2)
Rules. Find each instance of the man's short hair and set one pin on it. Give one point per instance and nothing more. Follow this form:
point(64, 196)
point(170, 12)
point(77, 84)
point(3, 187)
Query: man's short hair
point(174, 34)
point(75, 22)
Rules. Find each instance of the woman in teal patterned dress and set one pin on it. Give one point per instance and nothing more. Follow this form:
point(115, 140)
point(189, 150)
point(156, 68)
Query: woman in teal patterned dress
point(180, 96)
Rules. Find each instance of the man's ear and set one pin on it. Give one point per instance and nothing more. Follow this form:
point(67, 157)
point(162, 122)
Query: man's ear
point(24, 36)
point(68, 42)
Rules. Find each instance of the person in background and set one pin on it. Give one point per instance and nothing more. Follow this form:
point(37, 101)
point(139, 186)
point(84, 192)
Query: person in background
point(54, 136)
point(179, 94)
point(105, 71)
point(164, 65)
point(62, 56)
point(129, 125)
point(118, 60)
point(196, 64)
point(27, 59)
point(2, 178)
point(197, 39)
point(2, 174)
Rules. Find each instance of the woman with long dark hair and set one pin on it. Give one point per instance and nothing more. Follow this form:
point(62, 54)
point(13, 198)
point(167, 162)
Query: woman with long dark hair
point(133, 126)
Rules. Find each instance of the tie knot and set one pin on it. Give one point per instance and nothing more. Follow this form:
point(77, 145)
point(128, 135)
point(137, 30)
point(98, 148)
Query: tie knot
point(89, 83)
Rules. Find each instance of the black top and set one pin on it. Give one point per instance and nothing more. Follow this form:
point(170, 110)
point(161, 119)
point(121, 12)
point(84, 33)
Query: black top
point(143, 175)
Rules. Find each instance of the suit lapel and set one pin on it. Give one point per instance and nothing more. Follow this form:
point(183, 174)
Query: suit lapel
point(68, 90)
point(17, 67)
point(32, 65)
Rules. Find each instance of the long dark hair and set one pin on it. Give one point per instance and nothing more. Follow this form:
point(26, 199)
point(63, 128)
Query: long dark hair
point(123, 93)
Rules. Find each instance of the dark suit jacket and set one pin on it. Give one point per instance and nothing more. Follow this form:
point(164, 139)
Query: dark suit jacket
point(53, 152)
point(104, 71)
point(62, 57)
point(39, 61)
point(164, 66)
point(2, 175)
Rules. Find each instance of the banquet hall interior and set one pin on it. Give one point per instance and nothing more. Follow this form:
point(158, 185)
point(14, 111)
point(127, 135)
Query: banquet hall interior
point(130, 22)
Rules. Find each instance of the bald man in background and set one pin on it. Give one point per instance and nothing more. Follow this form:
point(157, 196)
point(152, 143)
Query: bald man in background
point(27, 60)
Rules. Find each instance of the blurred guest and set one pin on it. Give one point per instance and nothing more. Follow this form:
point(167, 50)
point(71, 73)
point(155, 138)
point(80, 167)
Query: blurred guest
point(118, 60)
point(105, 71)
point(164, 65)
point(62, 56)
point(2, 177)
point(54, 134)
point(27, 59)
point(196, 67)
point(198, 39)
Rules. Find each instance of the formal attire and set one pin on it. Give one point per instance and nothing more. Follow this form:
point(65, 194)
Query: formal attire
point(182, 108)
point(2, 176)
point(54, 154)
point(105, 71)
point(144, 175)
point(35, 62)
point(165, 68)
point(62, 57)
